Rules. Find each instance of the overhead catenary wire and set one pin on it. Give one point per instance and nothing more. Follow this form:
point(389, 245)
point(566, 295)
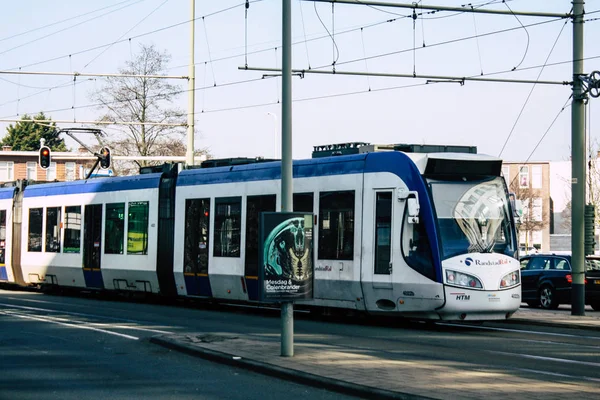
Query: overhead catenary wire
point(304, 31)
point(544, 135)
point(61, 21)
point(521, 69)
point(67, 28)
point(531, 91)
point(528, 39)
point(125, 40)
point(129, 30)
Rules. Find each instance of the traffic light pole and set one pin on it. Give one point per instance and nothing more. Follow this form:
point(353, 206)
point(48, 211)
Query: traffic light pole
point(578, 172)
point(287, 307)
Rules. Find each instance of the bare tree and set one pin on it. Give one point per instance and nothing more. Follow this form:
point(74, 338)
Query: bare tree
point(143, 99)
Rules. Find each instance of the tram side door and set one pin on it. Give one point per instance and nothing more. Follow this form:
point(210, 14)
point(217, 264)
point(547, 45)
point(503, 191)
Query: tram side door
point(197, 234)
point(92, 246)
point(383, 263)
point(381, 252)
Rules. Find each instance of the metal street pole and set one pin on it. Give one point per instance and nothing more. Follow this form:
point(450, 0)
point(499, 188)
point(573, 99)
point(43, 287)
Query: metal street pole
point(287, 307)
point(189, 154)
point(578, 166)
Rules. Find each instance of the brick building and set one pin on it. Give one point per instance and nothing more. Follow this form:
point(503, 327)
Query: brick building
point(65, 166)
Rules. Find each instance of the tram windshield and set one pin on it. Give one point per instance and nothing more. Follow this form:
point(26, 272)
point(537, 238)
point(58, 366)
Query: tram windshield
point(473, 216)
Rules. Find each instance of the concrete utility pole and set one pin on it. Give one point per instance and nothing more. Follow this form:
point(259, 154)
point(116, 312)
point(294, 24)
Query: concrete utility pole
point(287, 307)
point(578, 159)
point(189, 154)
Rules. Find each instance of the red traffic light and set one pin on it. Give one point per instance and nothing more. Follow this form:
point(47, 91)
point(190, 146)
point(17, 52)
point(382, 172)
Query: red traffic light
point(45, 157)
point(105, 158)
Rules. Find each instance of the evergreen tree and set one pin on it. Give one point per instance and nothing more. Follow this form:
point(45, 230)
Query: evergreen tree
point(25, 135)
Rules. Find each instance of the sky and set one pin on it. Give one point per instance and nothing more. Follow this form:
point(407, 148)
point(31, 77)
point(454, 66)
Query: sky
point(238, 113)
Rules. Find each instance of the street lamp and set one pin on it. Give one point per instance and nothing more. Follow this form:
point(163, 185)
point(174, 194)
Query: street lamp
point(277, 138)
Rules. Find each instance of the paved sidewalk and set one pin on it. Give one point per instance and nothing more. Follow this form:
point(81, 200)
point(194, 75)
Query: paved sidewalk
point(385, 374)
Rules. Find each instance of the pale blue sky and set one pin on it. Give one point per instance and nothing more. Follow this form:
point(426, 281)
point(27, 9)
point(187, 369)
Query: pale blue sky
point(236, 120)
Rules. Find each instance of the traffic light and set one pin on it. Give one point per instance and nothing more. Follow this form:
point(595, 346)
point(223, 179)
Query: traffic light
point(45, 157)
point(589, 242)
point(105, 158)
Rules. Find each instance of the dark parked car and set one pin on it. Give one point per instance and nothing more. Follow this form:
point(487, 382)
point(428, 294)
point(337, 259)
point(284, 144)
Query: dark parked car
point(546, 280)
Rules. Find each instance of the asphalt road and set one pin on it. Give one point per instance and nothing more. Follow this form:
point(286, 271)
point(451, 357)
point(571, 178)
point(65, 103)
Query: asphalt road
point(73, 348)
point(69, 346)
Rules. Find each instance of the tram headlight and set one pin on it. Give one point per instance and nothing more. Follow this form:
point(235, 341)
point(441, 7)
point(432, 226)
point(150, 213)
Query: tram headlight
point(460, 279)
point(510, 279)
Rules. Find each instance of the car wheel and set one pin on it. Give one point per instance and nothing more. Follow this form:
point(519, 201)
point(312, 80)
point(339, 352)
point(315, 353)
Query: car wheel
point(533, 304)
point(596, 305)
point(548, 298)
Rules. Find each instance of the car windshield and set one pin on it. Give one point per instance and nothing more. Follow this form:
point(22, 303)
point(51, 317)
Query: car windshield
point(473, 216)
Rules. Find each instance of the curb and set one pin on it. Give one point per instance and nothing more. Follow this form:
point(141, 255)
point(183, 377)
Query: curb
point(301, 377)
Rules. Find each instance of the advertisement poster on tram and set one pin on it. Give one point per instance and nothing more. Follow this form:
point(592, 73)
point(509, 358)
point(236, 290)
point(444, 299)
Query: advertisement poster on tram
point(286, 251)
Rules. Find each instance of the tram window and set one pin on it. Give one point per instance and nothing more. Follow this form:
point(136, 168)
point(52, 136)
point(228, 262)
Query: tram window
point(383, 225)
point(114, 229)
point(227, 226)
point(255, 205)
point(72, 229)
point(416, 247)
point(336, 225)
point(197, 221)
point(303, 202)
point(35, 229)
point(2, 235)
point(137, 228)
point(53, 229)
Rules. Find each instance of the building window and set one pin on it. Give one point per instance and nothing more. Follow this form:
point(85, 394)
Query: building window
point(336, 225)
point(51, 172)
point(524, 176)
point(536, 176)
point(227, 226)
point(506, 174)
point(35, 229)
point(72, 229)
point(69, 171)
point(536, 210)
point(31, 170)
point(53, 229)
point(114, 230)
point(7, 171)
point(137, 227)
point(536, 238)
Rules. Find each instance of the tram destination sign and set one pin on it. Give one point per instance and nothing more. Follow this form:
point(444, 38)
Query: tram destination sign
point(286, 256)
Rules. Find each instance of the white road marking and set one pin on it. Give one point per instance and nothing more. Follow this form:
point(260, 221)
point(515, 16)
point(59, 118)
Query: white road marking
point(560, 360)
point(91, 316)
point(487, 328)
point(70, 325)
point(574, 377)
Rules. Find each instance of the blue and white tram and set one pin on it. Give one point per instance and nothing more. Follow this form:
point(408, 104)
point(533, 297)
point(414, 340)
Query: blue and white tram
point(422, 235)
point(83, 234)
point(7, 275)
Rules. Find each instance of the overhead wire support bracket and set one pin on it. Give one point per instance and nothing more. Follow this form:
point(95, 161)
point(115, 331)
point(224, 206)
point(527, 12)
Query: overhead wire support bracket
point(76, 74)
point(445, 8)
point(37, 121)
point(417, 76)
point(591, 84)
